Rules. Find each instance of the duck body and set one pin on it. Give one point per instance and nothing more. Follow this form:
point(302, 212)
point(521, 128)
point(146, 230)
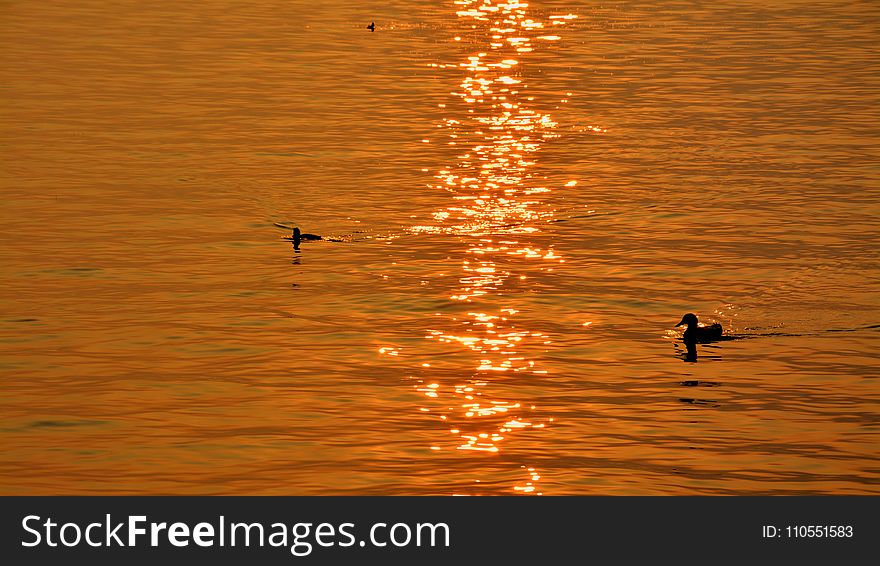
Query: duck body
point(305, 237)
point(298, 236)
point(695, 333)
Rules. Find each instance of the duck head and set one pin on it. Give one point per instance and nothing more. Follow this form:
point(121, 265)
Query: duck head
point(690, 319)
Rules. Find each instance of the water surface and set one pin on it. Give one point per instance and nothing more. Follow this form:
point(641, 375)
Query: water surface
point(530, 197)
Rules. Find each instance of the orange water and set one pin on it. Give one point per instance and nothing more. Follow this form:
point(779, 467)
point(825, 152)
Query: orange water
point(529, 198)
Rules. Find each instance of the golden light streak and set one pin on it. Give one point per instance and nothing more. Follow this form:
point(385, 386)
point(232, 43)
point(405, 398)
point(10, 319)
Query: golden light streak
point(495, 211)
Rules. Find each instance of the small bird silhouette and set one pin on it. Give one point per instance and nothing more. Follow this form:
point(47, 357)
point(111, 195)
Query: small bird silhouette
point(696, 333)
point(299, 237)
point(372, 26)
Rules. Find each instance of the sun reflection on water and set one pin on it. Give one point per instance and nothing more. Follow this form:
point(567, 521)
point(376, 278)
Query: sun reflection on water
point(496, 210)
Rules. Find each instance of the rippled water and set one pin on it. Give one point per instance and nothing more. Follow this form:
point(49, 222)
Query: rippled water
point(529, 197)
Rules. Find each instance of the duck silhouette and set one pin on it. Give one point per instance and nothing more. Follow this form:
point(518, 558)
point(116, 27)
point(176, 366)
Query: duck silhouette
point(699, 334)
point(299, 237)
point(372, 26)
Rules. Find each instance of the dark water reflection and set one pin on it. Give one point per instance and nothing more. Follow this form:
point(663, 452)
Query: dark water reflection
point(526, 211)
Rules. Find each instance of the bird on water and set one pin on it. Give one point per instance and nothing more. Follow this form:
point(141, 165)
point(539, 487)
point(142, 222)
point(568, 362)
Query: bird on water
point(372, 26)
point(298, 237)
point(696, 333)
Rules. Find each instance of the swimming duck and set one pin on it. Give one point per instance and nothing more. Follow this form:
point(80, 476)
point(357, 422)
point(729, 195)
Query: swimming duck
point(298, 237)
point(372, 26)
point(696, 333)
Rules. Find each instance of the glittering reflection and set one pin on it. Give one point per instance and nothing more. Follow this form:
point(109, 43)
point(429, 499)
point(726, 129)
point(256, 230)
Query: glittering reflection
point(496, 211)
